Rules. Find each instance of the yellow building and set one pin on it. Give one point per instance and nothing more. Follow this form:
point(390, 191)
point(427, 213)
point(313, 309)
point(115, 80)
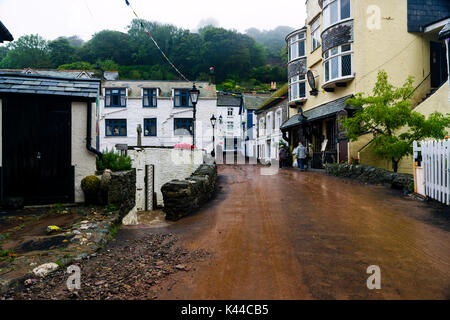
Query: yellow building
point(339, 52)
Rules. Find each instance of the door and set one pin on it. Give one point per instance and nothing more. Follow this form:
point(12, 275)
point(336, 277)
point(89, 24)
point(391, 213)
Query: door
point(343, 151)
point(37, 149)
point(439, 73)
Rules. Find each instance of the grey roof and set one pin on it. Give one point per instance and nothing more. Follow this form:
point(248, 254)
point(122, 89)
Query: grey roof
point(4, 33)
point(229, 99)
point(445, 32)
point(75, 74)
point(36, 84)
point(320, 112)
point(207, 90)
point(253, 101)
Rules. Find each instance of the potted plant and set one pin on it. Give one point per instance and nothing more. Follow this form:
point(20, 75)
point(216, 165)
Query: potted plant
point(91, 187)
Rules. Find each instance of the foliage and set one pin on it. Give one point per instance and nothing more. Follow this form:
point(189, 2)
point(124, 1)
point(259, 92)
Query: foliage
point(78, 65)
point(113, 161)
point(27, 52)
point(387, 113)
point(90, 185)
point(61, 51)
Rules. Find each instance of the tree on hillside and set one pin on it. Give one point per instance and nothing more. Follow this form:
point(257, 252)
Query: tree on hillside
point(29, 51)
point(273, 41)
point(79, 65)
point(387, 114)
point(61, 51)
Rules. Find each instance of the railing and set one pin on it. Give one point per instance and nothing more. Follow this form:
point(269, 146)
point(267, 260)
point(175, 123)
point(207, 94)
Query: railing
point(435, 160)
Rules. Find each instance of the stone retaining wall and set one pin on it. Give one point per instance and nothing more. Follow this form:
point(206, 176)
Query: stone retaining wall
point(183, 197)
point(372, 175)
point(119, 189)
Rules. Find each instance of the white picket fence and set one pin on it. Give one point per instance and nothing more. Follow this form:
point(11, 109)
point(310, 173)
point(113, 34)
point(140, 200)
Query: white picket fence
point(436, 168)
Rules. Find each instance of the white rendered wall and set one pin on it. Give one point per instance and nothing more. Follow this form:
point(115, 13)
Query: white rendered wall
point(135, 114)
point(82, 159)
point(170, 164)
point(222, 130)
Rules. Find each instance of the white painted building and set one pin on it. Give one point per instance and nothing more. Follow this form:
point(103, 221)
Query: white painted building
point(228, 132)
point(161, 108)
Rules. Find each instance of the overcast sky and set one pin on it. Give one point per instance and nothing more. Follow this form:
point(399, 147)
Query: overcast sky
point(54, 18)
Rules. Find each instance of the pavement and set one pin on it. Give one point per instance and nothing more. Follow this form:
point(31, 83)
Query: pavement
point(293, 235)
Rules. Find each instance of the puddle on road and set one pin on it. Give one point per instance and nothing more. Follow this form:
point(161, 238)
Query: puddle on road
point(156, 218)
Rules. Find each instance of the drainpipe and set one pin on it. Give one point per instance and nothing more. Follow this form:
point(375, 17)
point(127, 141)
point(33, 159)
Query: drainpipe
point(89, 132)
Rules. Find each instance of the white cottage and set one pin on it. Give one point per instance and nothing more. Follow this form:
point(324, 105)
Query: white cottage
point(162, 109)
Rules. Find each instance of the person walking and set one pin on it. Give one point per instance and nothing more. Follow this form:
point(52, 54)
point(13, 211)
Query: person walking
point(301, 156)
point(282, 154)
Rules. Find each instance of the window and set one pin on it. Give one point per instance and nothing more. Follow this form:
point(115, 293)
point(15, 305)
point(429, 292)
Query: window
point(297, 87)
point(297, 46)
point(115, 98)
point(230, 125)
point(116, 127)
point(269, 124)
point(181, 98)
point(183, 126)
point(150, 127)
point(315, 34)
point(335, 11)
point(150, 98)
point(278, 120)
point(338, 62)
point(230, 112)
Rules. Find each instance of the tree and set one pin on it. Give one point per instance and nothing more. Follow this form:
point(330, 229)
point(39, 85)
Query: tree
point(61, 51)
point(387, 114)
point(27, 52)
point(108, 45)
point(79, 65)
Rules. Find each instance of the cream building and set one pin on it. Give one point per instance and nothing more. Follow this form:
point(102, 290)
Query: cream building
point(339, 52)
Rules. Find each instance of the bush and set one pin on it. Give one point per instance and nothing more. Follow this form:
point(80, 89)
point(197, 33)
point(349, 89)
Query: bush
point(114, 161)
point(91, 187)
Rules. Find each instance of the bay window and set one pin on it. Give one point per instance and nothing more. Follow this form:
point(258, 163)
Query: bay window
point(315, 34)
point(338, 63)
point(297, 46)
point(335, 11)
point(297, 88)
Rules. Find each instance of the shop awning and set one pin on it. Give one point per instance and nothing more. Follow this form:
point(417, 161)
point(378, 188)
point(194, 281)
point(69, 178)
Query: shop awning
point(445, 32)
point(323, 111)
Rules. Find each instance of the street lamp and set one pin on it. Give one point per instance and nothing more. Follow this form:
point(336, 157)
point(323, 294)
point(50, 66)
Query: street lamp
point(193, 95)
point(213, 123)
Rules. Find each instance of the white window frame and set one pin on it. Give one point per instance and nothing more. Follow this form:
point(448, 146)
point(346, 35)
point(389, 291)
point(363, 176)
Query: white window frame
point(327, 16)
point(230, 124)
point(228, 112)
point(278, 119)
point(297, 81)
point(315, 34)
point(294, 42)
point(336, 54)
point(269, 122)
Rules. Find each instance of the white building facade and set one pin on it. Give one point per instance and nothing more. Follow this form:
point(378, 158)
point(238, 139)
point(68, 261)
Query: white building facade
point(229, 122)
point(161, 110)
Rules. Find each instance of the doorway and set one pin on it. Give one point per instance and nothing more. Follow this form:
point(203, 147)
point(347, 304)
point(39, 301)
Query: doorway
point(37, 149)
point(438, 64)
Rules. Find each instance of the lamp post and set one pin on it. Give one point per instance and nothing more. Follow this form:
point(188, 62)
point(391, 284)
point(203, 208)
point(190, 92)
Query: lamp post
point(193, 95)
point(213, 123)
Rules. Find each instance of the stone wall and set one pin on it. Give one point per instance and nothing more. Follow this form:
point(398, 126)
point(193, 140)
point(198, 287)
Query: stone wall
point(371, 175)
point(183, 197)
point(119, 189)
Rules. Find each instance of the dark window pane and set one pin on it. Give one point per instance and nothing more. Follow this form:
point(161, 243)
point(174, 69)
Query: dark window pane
point(345, 9)
point(302, 90)
point(346, 65)
point(301, 48)
point(115, 100)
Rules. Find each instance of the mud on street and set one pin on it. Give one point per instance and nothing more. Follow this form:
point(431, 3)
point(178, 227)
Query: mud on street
point(293, 235)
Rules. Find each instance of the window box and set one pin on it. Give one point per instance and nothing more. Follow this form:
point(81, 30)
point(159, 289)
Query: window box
point(115, 98)
point(181, 98)
point(116, 127)
point(338, 65)
point(183, 126)
point(336, 11)
point(297, 88)
point(150, 127)
point(150, 98)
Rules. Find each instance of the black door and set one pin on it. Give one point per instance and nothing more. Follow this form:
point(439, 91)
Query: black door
point(37, 149)
point(439, 73)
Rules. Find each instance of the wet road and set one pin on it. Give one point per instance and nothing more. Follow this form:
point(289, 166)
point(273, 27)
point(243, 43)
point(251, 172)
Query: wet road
point(299, 235)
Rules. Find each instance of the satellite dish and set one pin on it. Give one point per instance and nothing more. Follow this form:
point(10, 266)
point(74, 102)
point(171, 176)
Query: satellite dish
point(311, 80)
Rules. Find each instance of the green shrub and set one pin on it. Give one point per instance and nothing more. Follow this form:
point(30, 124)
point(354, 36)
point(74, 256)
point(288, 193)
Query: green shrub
point(90, 185)
point(114, 161)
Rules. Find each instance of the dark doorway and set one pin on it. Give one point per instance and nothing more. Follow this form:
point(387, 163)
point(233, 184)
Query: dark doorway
point(439, 73)
point(343, 151)
point(37, 149)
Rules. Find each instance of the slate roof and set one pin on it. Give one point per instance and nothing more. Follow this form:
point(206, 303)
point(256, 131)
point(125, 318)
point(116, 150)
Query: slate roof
point(36, 84)
point(229, 99)
point(254, 101)
point(279, 95)
point(4, 34)
point(207, 91)
point(445, 32)
point(320, 112)
point(76, 74)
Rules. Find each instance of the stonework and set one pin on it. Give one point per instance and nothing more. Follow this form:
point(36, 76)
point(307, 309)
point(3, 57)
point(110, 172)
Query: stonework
point(119, 189)
point(297, 67)
point(183, 197)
